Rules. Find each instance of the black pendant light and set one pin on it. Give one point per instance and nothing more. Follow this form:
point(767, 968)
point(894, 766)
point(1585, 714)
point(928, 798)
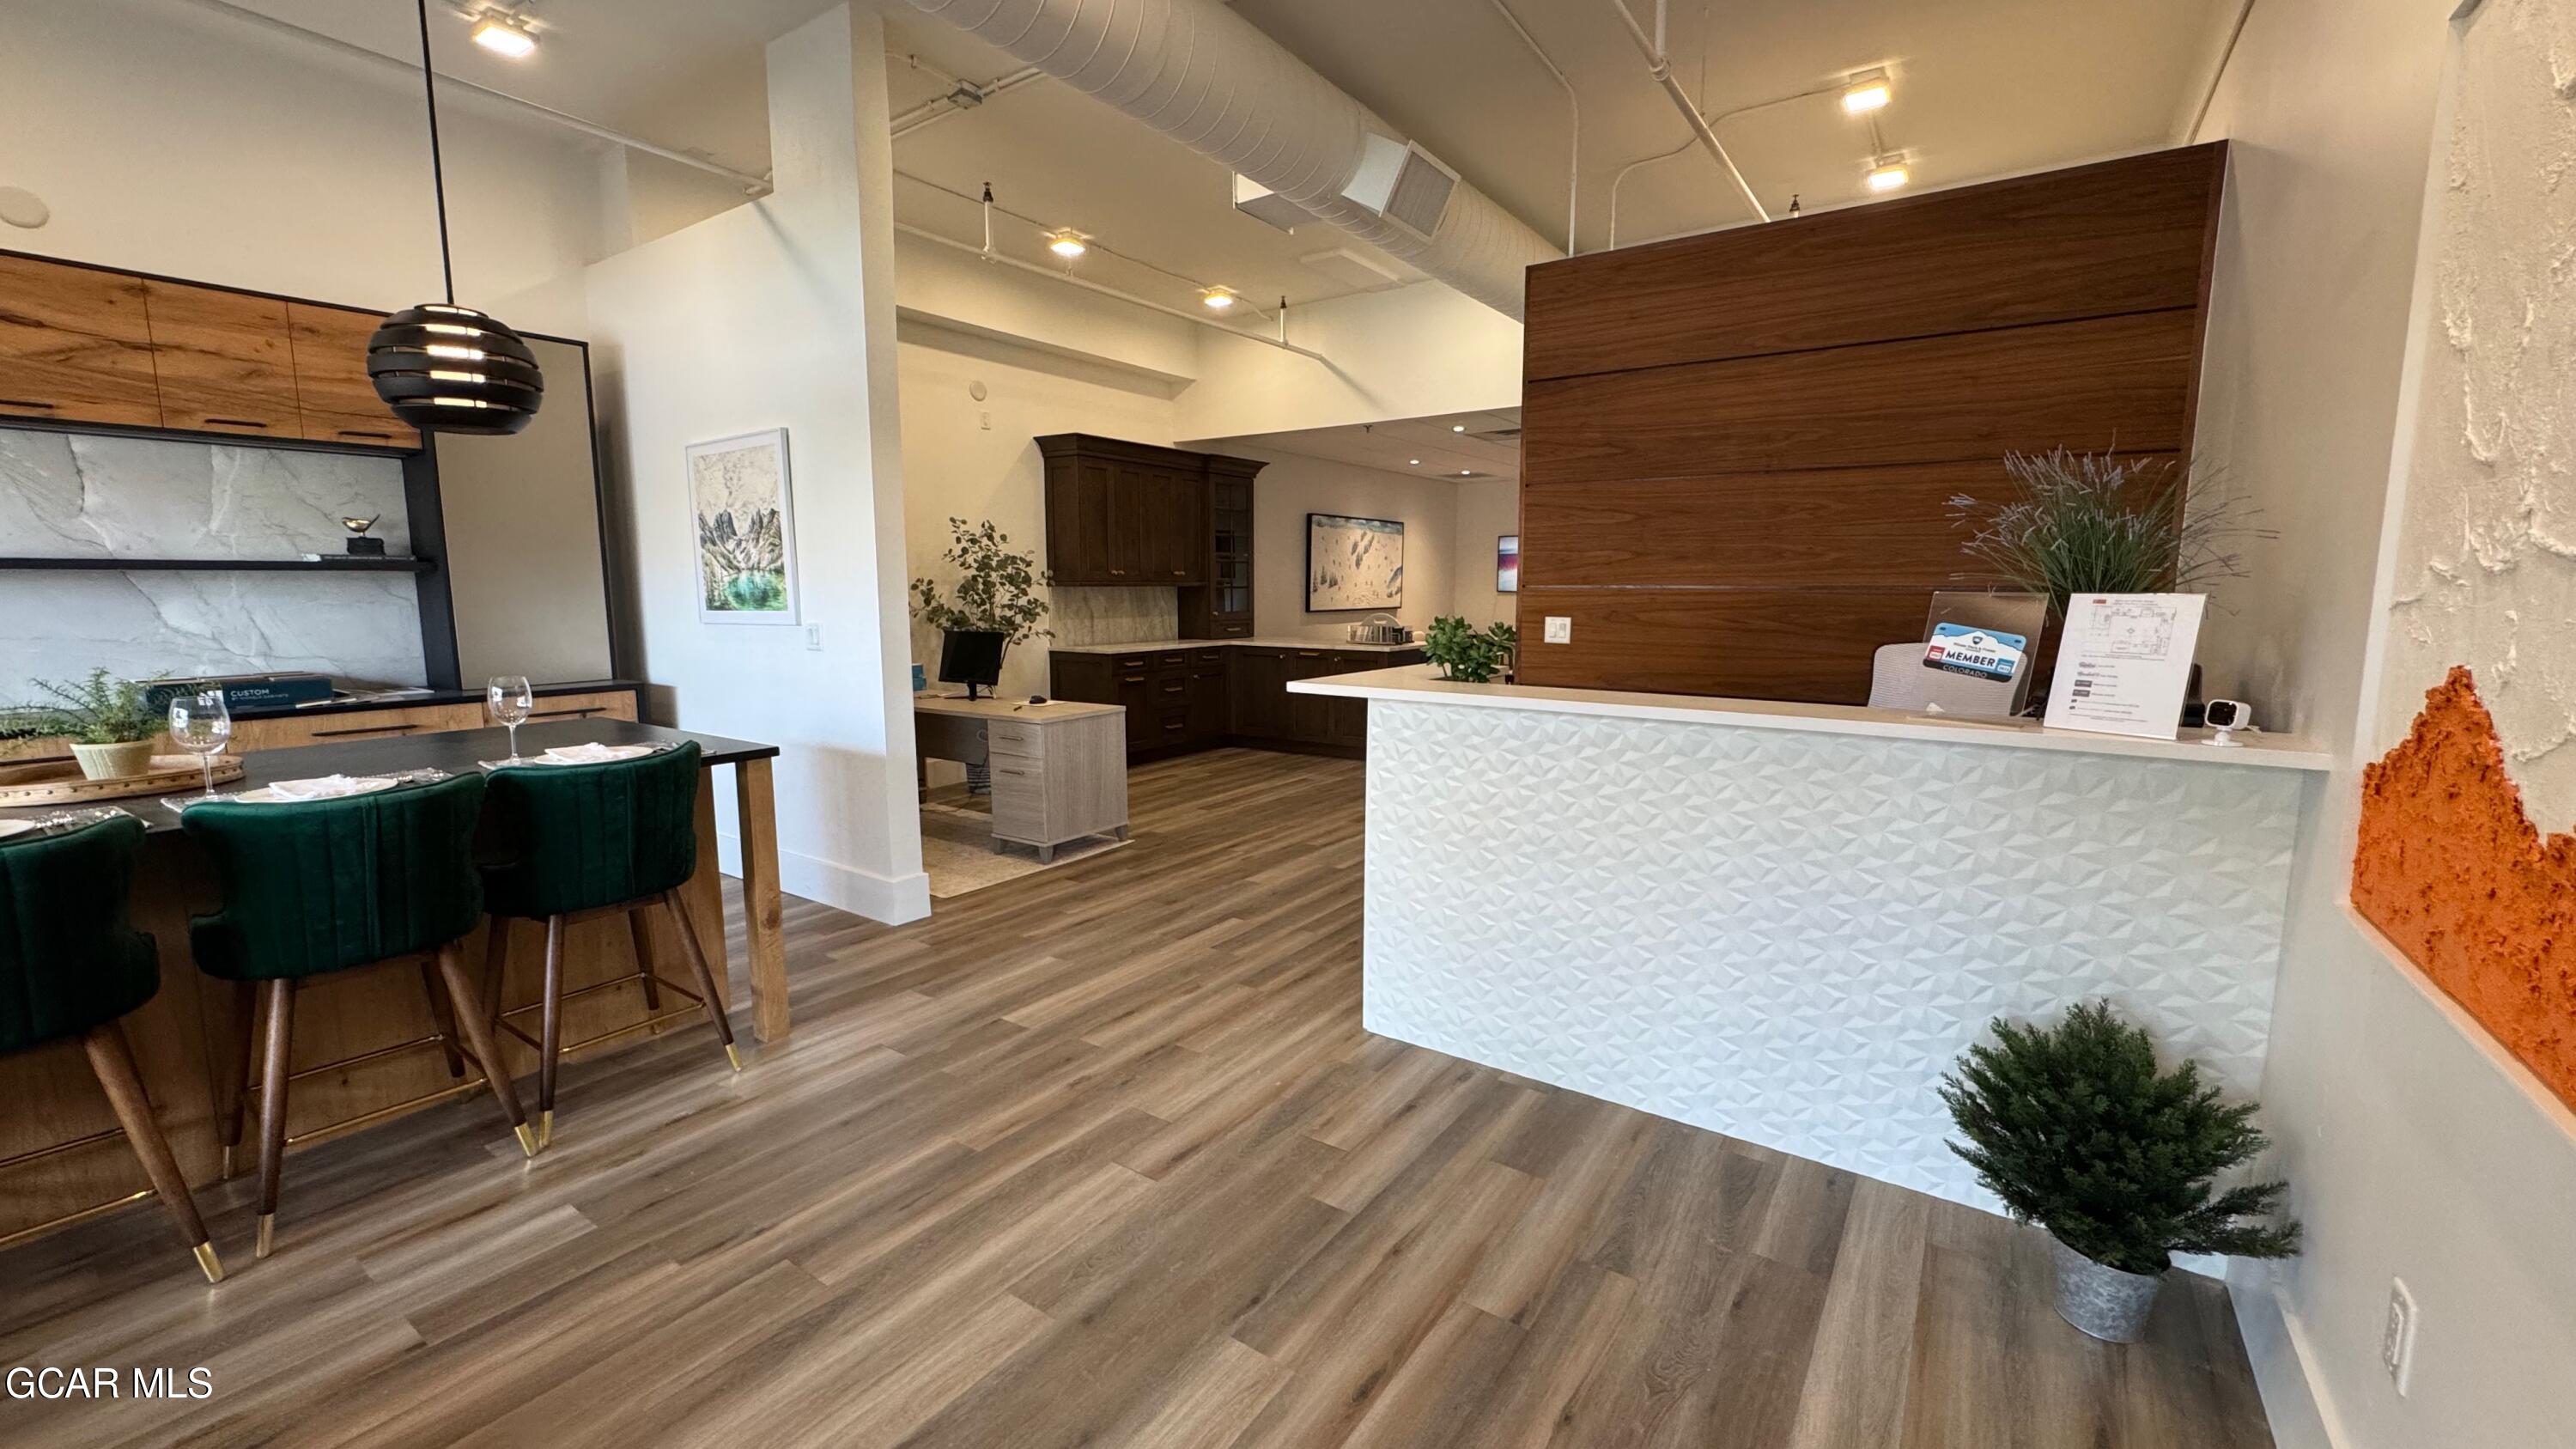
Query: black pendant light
point(444, 368)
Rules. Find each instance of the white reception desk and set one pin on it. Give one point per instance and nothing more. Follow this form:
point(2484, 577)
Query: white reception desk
point(1783, 922)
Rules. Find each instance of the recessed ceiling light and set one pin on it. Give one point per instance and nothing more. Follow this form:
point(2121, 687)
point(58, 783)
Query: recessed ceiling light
point(1218, 299)
point(1457, 427)
point(504, 34)
point(1066, 243)
point(1868, 91)
point(1416, 462)
point(1466, 472)
point(1887, 173)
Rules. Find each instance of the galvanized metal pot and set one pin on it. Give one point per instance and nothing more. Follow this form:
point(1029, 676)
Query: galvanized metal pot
point(2101, 1300)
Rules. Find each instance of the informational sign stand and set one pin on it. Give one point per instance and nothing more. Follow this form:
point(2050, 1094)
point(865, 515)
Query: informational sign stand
point(2125, 664)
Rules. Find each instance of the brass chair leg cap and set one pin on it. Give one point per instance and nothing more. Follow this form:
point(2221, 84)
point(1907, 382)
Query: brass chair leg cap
point(206, 1260)
point(733, 1055)
point(546, 1129)
point(267, 1235)
point(527, 1139)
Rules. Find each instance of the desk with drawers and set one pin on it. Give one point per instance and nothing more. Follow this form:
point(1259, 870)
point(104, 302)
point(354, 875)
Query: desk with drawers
point(1059, 770)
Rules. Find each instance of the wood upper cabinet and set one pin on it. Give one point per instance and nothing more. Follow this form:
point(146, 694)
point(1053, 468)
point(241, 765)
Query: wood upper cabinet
point(75, 345)
point(1121, 513)
point(334, 398)
point(226, 361)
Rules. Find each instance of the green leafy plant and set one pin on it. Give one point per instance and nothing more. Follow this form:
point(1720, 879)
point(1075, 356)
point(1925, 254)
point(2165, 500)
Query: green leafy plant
point(2098, 523)
point(996, 589)
point(2076, 1130)
point(1463, 652)
point(101, 710)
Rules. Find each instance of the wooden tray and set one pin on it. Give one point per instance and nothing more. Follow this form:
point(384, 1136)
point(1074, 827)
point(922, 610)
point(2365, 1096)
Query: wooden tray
point(59, 782)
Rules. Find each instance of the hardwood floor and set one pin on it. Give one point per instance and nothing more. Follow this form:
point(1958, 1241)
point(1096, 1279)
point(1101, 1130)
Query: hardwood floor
point(1099, 1157)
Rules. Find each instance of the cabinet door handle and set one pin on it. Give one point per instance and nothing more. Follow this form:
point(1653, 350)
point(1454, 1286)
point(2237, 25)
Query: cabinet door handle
point(1118, 573)
point(28, 402)
point(357, 433)
point(397, 729)
point(1308, 654)
point(234, 423)
point(1180, 573)
point(1131, 679)
point(566, 713)
point(1177, 725)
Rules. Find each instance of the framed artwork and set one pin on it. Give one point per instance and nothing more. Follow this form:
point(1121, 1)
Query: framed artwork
point(1507, 564)
point(1353, 563)
point(744, 521)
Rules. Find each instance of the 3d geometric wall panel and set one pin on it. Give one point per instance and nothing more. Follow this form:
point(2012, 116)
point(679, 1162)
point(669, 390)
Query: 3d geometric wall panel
point(1788, 937)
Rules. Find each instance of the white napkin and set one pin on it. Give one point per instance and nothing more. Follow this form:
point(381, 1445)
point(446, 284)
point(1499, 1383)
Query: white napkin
point(593, 753)
point(329, 787)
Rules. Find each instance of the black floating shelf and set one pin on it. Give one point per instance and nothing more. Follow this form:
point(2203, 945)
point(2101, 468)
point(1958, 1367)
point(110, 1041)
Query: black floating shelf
point(352, 564)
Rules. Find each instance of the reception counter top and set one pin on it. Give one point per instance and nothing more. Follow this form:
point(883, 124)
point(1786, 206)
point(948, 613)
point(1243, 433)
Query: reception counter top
point(1784, 922)
point(1423, 684)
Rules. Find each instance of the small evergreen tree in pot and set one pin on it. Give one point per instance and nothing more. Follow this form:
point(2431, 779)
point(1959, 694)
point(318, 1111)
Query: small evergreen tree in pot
point(2076, 1130)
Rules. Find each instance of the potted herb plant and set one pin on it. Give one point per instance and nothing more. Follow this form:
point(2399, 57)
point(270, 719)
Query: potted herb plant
point(2076, 1130)
point(1468, 654)
point(110, 725)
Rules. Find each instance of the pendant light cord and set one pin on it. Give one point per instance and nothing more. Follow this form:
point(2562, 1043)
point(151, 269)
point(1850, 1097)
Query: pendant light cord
point(437, 170)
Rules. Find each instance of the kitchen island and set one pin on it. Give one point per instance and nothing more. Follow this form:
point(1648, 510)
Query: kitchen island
point(1784, 921)
point(368, 1046)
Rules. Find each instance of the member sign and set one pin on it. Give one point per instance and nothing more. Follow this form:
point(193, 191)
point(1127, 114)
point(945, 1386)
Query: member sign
point(1981, 653)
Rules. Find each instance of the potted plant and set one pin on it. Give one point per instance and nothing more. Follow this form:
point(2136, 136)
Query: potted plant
point(995, 592)
point(108, 722)
point(1471, 655)
point(2076, 1130)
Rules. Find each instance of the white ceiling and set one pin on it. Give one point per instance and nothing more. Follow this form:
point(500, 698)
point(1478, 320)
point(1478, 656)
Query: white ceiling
point(1983, 88)
point(1458, 447)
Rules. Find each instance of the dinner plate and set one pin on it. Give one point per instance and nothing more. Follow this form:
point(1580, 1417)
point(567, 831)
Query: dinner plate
point(615, 754)
point(265, 795)
point(15, 827)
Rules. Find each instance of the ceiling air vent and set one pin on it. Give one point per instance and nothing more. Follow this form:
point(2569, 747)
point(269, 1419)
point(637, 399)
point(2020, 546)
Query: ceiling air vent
point(1263, 204)
point(1405, 185)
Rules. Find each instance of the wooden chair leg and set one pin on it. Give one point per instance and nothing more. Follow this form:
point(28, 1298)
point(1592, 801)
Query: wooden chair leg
point(471, 1017)
point(272, 1107)
point(496, 965)
point(236, 1068)
point(551, 1030)
point(680, 922)
point(644, 958)
point(113, 1060)
point(442, 1021)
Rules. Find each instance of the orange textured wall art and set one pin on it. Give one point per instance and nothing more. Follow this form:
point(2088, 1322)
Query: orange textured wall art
point(2451, 869)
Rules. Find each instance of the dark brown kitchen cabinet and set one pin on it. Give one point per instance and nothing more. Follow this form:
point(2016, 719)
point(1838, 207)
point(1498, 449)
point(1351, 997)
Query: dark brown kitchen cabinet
point(1123, 514)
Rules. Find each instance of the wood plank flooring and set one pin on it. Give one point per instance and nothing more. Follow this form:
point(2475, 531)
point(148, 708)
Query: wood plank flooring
point(1100, 1157)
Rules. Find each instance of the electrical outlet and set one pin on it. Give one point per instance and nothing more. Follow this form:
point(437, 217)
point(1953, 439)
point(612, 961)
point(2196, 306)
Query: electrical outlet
point(1560, 629)
point(986, 419)
point(813, 636)
point(2397, 1337)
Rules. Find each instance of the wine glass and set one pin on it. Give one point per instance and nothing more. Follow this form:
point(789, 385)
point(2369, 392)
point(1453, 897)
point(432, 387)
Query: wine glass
point(202, 724)
point(510, 701)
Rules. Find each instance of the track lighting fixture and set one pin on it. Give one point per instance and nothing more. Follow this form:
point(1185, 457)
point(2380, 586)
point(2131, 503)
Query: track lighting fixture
point(503, 33)
point(1067, 243)
point(1219, 299)
point(1867, 91)
point(1888, 172)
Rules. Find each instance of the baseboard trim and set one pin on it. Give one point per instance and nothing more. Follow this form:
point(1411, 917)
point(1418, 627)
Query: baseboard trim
point(892, 900)
point(2286, 1372)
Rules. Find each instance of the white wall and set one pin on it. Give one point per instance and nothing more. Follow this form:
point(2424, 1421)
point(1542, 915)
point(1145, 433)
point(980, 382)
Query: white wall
point(1292, 487)
point(170, 140)
point(1487, 509)
point(2413, 1149)
point(782, 314)
point(1407, 353)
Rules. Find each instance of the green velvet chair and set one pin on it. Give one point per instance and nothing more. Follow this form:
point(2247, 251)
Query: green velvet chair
point(326, 886)
point(580, 842)
point(71, 966)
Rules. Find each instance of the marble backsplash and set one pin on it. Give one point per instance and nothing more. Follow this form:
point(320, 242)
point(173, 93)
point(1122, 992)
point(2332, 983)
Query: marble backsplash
point(71, 495)
point(1112, 616)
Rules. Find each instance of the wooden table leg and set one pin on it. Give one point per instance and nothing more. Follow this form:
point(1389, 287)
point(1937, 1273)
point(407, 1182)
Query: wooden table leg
point(767, 938)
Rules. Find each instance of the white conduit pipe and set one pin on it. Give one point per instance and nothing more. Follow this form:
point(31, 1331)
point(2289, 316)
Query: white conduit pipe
point(1574, 123)
point(1004, 259)
point(1662, 70)
point(1210, 79)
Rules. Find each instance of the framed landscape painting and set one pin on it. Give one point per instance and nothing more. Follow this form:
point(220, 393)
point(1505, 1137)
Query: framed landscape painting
point(743, 519)
point(1353, 563)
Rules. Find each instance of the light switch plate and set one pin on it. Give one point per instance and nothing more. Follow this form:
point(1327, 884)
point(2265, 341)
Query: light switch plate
point(2397, 1336)
point(813, 636)
point(1560, 629)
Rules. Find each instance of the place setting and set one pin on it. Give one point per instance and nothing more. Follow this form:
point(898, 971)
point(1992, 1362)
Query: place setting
point(510, 700)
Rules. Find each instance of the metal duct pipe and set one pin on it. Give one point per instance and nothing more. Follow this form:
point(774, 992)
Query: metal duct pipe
point(1210, 79)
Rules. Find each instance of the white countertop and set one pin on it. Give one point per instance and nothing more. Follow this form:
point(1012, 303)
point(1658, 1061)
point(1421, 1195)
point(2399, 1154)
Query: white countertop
point(1421, 684)
point(1266, 641)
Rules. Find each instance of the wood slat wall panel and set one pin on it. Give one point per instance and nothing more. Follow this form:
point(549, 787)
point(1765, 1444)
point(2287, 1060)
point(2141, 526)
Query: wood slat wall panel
point(1805, 527)
point(1783, 643)
point(2113, 381)
point(1738, 449)
point(2124, 236)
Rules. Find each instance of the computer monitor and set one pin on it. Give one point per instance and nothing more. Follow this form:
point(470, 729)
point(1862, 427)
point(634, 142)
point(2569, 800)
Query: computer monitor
point(973, 658)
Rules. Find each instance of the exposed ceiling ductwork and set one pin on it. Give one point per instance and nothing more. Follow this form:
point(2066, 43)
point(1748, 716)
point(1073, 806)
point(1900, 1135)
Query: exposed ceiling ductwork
point(1211, 80)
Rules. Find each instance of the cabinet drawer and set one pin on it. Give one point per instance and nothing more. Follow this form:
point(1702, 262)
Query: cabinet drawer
point(600, 704)
point(1015, 737)
point(1204, 657)
point(1172, 659)
point(1171, 725)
